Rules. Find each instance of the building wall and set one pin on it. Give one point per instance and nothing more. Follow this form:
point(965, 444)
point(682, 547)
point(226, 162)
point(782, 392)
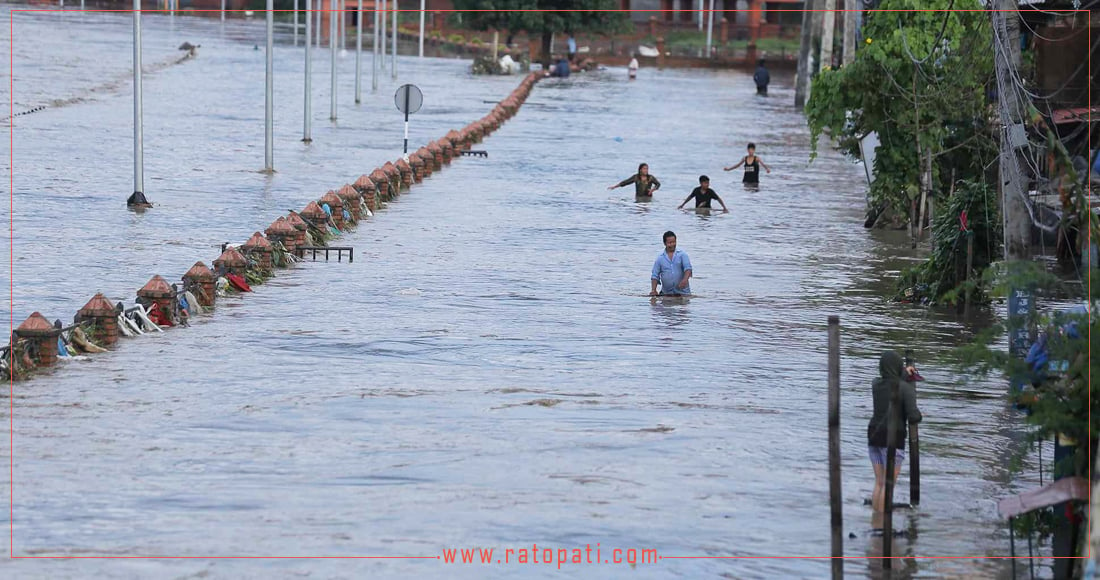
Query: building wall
point(1061, 65)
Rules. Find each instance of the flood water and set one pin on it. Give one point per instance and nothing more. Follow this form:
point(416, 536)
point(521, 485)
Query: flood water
point(488, 372)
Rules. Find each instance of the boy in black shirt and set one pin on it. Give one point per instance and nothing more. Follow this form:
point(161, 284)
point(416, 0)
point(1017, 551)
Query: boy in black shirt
point(703, 195)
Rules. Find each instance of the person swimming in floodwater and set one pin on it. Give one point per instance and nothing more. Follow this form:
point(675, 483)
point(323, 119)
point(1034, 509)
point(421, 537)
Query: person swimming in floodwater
point(703, 195)
point(752, 165)
point(644, 183)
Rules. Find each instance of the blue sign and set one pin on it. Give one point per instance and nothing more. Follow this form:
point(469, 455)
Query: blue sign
point(1021, 306)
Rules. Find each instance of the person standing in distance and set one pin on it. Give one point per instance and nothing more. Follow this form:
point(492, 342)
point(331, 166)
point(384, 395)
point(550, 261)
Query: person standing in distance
point(672, 270)
point(761, 78)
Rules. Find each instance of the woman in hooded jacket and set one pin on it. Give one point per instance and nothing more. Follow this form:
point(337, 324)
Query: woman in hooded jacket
point(891, 368)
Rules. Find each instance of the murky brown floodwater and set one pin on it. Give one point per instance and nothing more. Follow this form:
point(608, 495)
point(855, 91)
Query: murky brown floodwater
point(488, 372)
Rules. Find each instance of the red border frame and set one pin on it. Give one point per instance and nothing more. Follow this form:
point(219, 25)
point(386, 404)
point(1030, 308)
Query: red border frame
point(11, 297)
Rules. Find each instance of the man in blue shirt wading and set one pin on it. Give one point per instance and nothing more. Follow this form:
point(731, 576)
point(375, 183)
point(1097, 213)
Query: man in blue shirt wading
point(672, 269)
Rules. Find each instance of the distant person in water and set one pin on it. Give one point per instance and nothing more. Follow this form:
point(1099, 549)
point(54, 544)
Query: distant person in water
point(632, 68)
point(703, 195)
point(752, 165)
point(761, 78)
point(560, 68)
point(644, 183)
point(672, 270)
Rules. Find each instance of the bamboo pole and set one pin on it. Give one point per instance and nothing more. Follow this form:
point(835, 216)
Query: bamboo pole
point(837, 520)
point(914, 465)
point(891, 460)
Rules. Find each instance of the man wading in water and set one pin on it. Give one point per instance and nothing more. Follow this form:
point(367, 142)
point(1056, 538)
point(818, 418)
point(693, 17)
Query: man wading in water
point(891, 370)
point(644, 184)
point(752, 166)
point(703, 195)
point(672, 269)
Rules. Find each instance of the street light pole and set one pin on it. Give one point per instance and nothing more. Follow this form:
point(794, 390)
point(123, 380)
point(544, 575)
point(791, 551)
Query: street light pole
point(422, 28)
point(269, 101)
point(710, 27)
point(374, 56)
point(332, 51)
point(139, 161)
point(382, 63)
point(393, 55)
point(306, 137)
point(359, 53)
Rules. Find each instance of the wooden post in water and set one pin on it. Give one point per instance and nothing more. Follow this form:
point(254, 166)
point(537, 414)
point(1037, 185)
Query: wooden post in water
point(834, 448)
point(892, 420)
point(914, 465)
point(969, 267)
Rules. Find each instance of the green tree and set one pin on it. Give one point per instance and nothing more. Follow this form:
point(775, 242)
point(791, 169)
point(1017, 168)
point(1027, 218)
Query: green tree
point(542, 17)
point(919, 82)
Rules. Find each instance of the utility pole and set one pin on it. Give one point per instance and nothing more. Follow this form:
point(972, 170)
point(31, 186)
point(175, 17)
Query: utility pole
point(827, 29)
point(802, 83)
point(851, 21)
point(1013, 184)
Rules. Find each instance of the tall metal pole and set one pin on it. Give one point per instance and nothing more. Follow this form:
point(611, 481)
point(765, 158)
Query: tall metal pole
point(139, 161)
point(320, 15)
point(295, 22)
point(306, 137)
point(359, 53)
point(342, 30)
point(223, 10)
point(393, 54)
point(382, 62)
point(422, 12)
point(374, 55)
point(269, 90)
point(710, 27)
point(332, 53)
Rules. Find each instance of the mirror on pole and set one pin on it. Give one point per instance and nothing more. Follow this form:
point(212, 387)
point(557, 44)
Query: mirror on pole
point(408, 99)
